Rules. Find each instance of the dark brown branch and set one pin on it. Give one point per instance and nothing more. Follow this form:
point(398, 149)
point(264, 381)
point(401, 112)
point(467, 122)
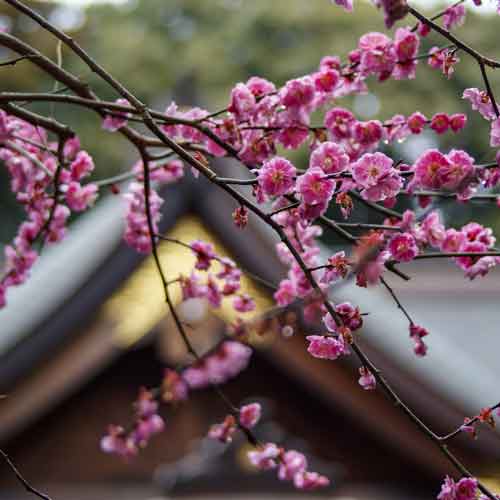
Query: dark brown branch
point(27, 486)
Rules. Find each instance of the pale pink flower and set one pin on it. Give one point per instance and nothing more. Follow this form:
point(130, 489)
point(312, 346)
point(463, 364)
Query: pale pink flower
point(250, 415)
point(370, 168)
point(366, 379)
point(224, 431)
point(480, 101)
point(266, 457)
point(118, 120)
point(346, 4)
point(310, 480)
point(432, 230)
point(495, 133)
point(291, 464)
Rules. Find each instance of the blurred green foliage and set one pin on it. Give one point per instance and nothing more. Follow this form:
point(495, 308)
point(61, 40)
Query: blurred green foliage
point(197, 49)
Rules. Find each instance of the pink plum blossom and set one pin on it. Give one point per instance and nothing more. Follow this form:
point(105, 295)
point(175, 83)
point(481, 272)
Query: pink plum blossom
point(276, 176)
point(250, 415)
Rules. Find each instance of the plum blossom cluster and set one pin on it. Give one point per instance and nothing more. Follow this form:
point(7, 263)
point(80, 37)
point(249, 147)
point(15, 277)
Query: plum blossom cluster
point(224, 283)
point(465, 489)
point(486, 416)
point(290, 464)
point(247, 418)
point(472, 238)
point(227, 361)
point(147, 423)
point(34, 164)
point(481, 102)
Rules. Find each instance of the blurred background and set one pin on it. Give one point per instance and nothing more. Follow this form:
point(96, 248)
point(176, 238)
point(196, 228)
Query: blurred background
point(66, 373)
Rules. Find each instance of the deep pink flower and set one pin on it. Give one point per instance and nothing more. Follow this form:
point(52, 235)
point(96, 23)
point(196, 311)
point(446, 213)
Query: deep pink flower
point(428, 167)
point(293, 136)
point(458, 121)
point(260, 86)
point(416, 122)
point(461, 169)
point(250, 415)
point(417, 333)
point(326, 80)
point(298, 93)
point(213, 293)
point(242, 104)
point(406, 45)
point(466, 489)
point(326, 347)
point(453, 241)
point(374, 174)
point(349, 315)
point(403, 247)
point(367, 133)
point(330, 157)
point(377, 55)
point(204, 253)
point(191, 287)
point(315, 187)
point(338, 121)
point(276, 176)
point(440, 123)
point(370, 168)
point(436, 58)
point(81, 166)
point(286, 293)
point(80, 197)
